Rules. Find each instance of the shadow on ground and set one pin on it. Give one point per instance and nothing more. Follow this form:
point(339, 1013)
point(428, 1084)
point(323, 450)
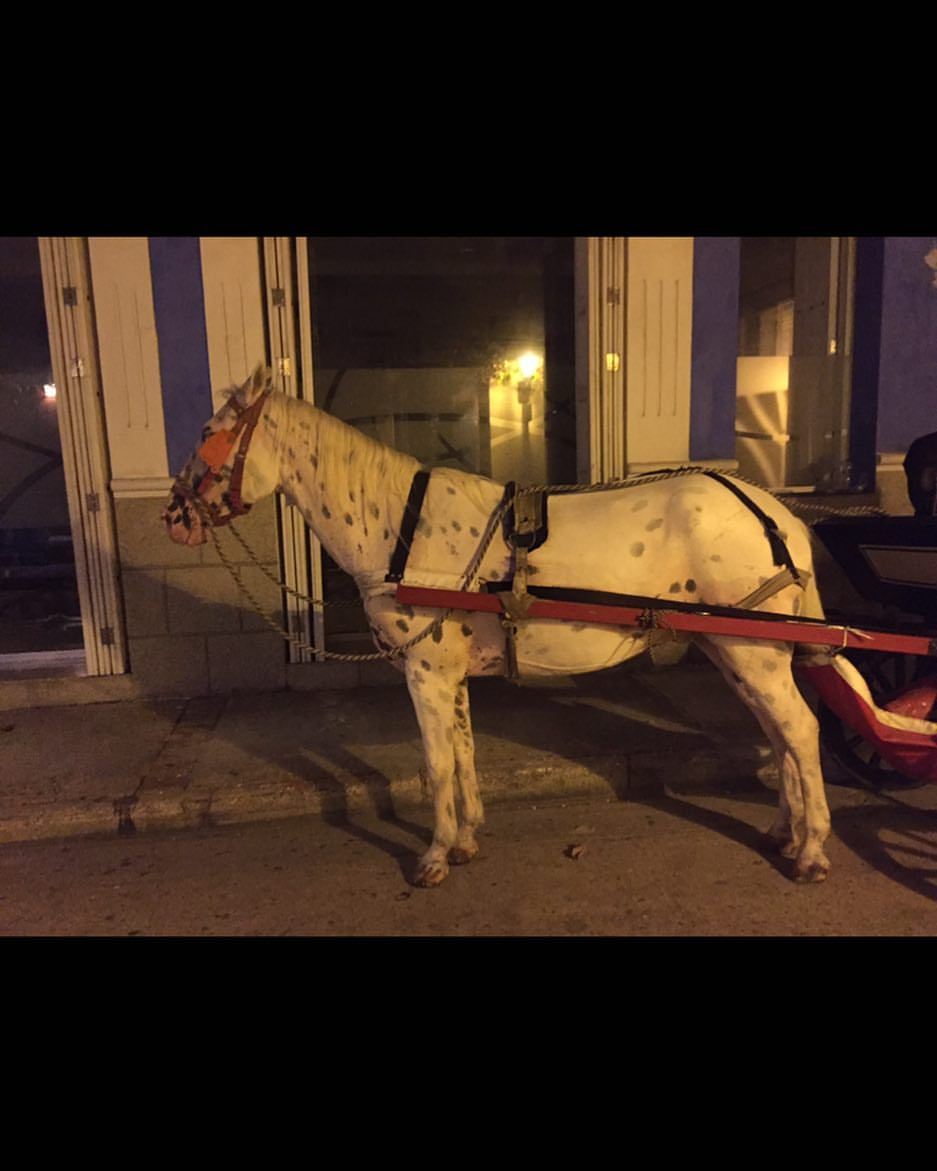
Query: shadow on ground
point(324, 740)
point(897, 840)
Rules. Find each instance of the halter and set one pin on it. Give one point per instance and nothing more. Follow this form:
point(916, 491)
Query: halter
point(215, 452)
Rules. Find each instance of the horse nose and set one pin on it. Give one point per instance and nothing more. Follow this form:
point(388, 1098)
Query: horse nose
point(175, 529)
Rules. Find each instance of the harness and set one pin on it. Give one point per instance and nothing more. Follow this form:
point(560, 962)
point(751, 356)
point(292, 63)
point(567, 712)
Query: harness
point(215, 452)
point(525, 528)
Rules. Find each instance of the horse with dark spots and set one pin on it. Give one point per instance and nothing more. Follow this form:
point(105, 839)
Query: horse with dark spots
point(598, 541)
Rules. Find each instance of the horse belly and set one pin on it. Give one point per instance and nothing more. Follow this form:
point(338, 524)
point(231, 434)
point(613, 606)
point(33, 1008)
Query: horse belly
point(548, 647)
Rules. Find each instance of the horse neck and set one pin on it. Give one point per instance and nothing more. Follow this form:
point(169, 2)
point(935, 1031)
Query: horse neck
point(350, 489)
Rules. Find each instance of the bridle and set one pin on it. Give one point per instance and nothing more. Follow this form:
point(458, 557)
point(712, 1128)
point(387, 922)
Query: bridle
point(215, 453)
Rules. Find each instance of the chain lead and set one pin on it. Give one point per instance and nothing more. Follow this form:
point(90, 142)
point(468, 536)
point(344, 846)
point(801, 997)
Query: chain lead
point(467, 578)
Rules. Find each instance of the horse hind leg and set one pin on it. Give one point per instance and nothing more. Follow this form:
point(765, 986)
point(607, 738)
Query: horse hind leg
point(760, 674)
point(472, 810)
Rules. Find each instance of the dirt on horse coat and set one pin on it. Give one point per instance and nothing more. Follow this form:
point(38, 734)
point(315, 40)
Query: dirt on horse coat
point(680, 539)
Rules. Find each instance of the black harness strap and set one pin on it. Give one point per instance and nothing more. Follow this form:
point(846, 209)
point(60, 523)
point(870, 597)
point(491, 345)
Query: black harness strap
point(607, 598)
point(411, 517)
point(532, 537)
point(779, 550)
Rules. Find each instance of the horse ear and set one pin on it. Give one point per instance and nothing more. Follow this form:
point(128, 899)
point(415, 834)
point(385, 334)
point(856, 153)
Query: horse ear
point(256, 384)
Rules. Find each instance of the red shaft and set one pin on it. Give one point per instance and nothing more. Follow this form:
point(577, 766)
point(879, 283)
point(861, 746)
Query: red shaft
point(635, 616)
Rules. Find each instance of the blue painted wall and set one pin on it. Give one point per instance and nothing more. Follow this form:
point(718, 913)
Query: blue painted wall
point(179, 306)
point(715, 347)
point(907, 398)
point(866, 360)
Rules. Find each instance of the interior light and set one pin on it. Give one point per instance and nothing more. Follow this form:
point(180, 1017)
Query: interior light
point(529, 364)
point(48, 390)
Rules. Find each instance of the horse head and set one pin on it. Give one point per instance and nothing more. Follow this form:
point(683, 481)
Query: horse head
point(218, 482)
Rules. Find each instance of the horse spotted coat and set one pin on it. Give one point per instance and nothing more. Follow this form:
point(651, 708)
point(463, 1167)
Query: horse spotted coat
point(683, 539)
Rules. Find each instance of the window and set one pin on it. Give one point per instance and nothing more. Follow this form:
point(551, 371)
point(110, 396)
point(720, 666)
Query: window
point(795, 360)
point(457, 350)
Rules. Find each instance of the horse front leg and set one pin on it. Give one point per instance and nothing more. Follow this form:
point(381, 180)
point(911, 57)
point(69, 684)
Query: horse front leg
point(433, 702)
point(472, 812)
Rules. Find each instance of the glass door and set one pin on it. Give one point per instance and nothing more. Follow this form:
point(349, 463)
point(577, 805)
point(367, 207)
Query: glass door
point(40, 614)
point(458, 350)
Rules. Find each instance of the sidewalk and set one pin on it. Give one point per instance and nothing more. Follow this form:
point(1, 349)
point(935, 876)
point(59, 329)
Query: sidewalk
point(173, 763)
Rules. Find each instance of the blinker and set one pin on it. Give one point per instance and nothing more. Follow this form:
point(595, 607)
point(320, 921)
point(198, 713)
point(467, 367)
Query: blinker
point(215, 450)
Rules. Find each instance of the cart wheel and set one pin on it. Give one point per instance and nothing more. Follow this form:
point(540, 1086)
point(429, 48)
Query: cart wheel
point(886, 676)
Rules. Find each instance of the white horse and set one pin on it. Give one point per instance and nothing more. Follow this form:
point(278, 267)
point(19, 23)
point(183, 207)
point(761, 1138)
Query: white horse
point(685, 539)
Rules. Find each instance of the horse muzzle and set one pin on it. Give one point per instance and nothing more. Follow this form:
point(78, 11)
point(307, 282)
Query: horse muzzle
point(184, 525)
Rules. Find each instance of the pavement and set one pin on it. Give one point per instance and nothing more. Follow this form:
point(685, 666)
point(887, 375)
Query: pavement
point(125, 767)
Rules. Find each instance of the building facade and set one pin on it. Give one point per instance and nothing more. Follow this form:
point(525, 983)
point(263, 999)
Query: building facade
point(807, 363)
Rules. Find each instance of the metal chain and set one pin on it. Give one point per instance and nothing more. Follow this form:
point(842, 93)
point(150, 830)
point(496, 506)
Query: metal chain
point(301, 644)
point(281, 585)
point(795, 505)
point(468, 576)
point(467, 579)
point(791, 502)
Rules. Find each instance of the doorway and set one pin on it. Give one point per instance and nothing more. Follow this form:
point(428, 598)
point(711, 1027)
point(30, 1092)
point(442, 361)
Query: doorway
point(459, 350)
point(40, 612)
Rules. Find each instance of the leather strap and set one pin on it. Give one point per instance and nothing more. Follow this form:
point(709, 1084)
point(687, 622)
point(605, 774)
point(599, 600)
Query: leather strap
point(248, 419)
point(779, 551)
point(411, 516)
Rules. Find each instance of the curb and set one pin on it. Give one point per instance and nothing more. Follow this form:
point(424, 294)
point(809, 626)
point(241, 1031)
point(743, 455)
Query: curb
point(720, 769)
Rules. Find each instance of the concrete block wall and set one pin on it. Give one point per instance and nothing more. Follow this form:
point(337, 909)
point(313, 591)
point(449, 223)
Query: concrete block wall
point(190, 631)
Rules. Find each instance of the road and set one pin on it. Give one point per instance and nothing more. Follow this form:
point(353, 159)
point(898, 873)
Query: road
point(687, 865)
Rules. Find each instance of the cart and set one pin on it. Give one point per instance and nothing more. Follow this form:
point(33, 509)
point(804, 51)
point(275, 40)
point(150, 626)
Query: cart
point(891, 562)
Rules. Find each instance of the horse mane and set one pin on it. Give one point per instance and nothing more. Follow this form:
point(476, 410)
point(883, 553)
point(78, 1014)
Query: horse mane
point(346, 458)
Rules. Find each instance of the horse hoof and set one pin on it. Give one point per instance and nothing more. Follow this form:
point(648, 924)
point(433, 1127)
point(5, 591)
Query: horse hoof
point(430, 874)
point(816, 871)
point(459, 855)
